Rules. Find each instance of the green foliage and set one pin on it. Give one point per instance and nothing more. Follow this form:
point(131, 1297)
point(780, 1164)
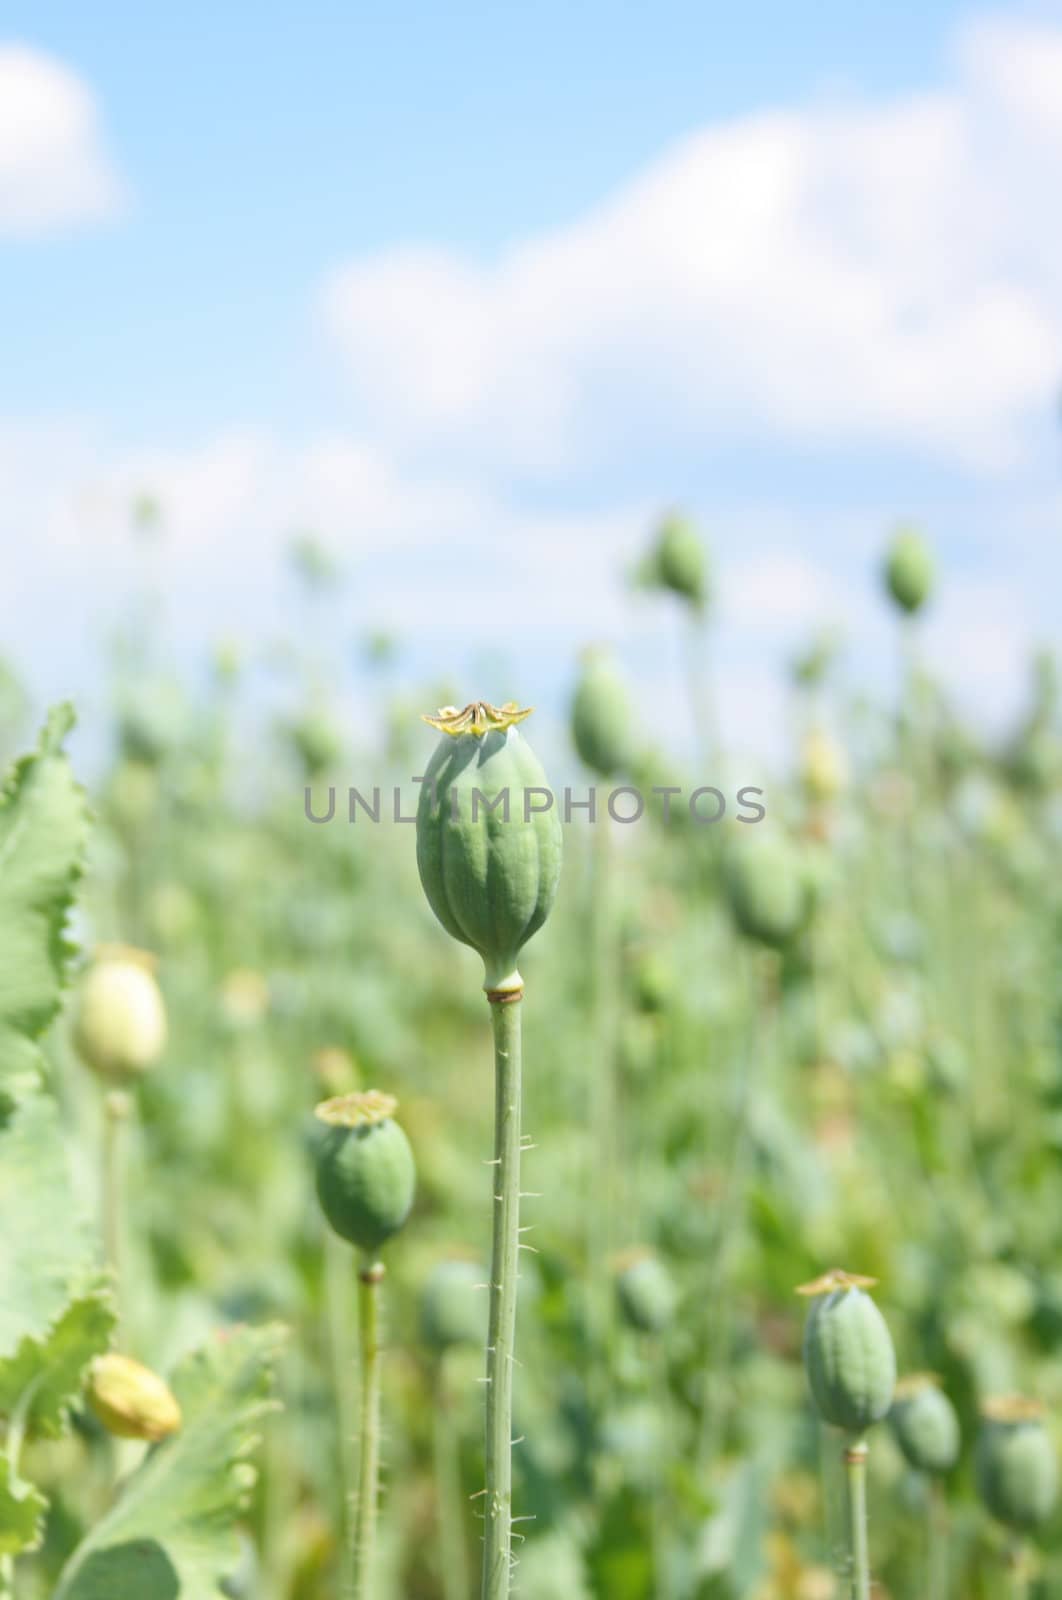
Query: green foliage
point(22, 1509)
point(43, 828)
point(48, 1372)
point(50, 1255)
point(172, 1531)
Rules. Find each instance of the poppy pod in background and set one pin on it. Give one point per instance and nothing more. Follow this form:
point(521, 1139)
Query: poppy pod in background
point(365, 1172)
point(1017, 1466)
point(925, 1425)
point(120, 1019)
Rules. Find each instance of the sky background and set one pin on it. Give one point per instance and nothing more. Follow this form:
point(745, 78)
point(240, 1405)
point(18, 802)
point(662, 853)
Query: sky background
point(474, 291)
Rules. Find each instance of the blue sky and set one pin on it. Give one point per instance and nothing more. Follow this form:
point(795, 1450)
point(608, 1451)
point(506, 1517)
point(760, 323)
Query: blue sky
point(475, 289)
point(261, 144)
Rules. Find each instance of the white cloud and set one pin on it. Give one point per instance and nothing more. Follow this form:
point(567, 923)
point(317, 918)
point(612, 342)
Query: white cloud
point(851, 272)
point(54, 167)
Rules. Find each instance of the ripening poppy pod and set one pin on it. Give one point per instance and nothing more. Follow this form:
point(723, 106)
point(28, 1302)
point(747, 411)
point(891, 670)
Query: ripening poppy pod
point(645, 1291)
point(679, 560)
point(848, 1353)
point(924, 1424)
point(602, 720)
point(769, 890)
point(365, 1172)
point(120, 1022)
point(130, 1400)
point(909, 570)
point(1017, 1468)
point(488, 837)
point(823, 767)
point(453, 1305)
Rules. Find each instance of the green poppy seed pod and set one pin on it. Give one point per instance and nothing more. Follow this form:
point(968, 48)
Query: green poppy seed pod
point(1017, 1468)
point(924, 1424)
point(768, 889)
point(365, 1171)
point(317, 743)
point(120, 1023)
point(848, 1354)
point(645, 1292)
point(130, 1400)
point(488, 837)
point(680, 561)
point(453, 1306)
point(602, 720)
point(653, 983)
point(909, 570)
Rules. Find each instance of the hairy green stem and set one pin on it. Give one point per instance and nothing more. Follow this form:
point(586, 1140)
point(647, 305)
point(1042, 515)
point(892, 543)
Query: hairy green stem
point(750, 1066)
point(342, 1351)
point(937, 1563)
point(449, 1506)
point(602, 1200)
point(501, 1334)
point(369, 1280)
point(855, 1466)
point(660, 1395)
point(117, 1108)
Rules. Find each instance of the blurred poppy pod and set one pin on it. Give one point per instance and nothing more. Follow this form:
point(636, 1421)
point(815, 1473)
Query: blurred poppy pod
point(453, 1305)
point(645, 1291)
point(680, 562)
point(823, 768)
point(120, 1023)
point(924, 1424)
point(909, 570)
point(1017, 1468)
point(848, 1352)
point(768, 888)
point(131, 1400)
point(602, 720)
point(365, 1172)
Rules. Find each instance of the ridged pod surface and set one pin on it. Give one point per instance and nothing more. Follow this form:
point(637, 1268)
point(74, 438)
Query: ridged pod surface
point(909, 571)
point(490, 876)
point(768, 888)
point(366, 1177)
point(453, 1306)
point(1017, 1469)
point(680, 561)
point(646, 1293)
point(130, 1400)
point(120, 1026)
point(849, 1358)
point(925, 1426)
point(602, 721)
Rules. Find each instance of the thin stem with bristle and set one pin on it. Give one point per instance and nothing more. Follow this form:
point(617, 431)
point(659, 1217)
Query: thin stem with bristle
point(501, 1334)
point(449, 1506)
point(369, 1280)
point(342, 1351)
point(855, 1466)
point(937, 1532)
point(602, 1200)
point(117, 1108)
